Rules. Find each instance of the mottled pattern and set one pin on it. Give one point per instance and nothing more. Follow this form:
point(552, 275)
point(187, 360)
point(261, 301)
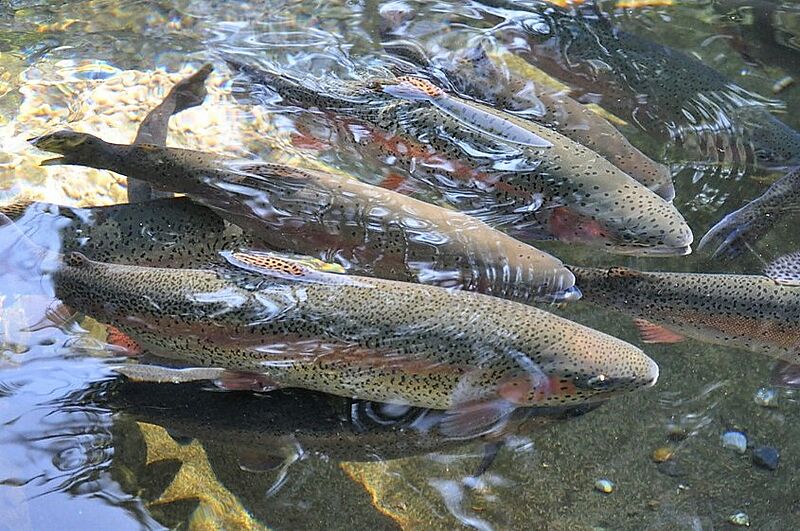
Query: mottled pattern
point(785, 270)
point(489, 176)
point(474, 73)
point(162, 232)
point(355, 336)
point(747, 311)
point(368, 229)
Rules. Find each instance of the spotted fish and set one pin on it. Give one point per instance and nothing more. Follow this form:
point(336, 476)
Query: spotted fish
point(509, 170)
point(474, 73)
point(280, 323)
point(661, 90)
point(747, 311)
point(368, 229)
point(170, 232)
point(735, 231)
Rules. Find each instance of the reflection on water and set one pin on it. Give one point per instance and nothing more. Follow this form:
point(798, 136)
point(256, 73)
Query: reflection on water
point(692, 87)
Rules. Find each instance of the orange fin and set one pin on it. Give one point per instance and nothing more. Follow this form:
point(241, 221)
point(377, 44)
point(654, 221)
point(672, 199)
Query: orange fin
point(122, 342)
point(393, 181)
point(653, 333)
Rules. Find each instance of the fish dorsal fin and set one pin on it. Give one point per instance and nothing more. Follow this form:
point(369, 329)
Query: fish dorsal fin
point(278, 264)
point(785, 269)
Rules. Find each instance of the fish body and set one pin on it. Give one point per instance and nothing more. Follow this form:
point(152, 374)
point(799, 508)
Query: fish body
point(749, 223)
point(172, 232)
point(493, 163)
point(747, 311)
point(373, 339)
point(660, 89)
point(367, 229)
point(474, 73)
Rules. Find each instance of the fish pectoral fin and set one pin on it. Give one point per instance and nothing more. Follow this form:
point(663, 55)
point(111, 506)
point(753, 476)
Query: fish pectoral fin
point(157, 374)
point(653, 333)
point(785, 269)
point(245, 381)
point(473, 419)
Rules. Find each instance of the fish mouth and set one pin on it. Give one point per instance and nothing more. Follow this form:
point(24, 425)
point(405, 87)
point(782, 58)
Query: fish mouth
point(603, 385)
point(658, 250)
point(570, 294)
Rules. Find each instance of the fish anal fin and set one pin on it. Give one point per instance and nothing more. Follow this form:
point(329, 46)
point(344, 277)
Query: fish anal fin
point(653, 333)
point(245, 381)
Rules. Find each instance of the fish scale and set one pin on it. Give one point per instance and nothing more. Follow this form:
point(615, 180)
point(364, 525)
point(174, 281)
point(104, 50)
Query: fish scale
point(356, 336)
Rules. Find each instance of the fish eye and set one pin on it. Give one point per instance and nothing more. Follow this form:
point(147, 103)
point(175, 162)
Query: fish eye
point(599, 382)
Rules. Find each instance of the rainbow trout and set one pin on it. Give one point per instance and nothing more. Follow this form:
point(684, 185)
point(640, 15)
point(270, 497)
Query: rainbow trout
point(734, 232)
point(474, 73)
point(747, 311)
point(171, 232)
point(663, 91)
point(282, 323)
point(367, 229)
point(491, 163)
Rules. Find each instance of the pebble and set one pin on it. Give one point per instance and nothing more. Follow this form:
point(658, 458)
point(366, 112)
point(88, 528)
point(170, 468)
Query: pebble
point(766, 457)
point(606, 486)
point(766, 397)
point(740, 519)
point(662, 454)
point(734, 440)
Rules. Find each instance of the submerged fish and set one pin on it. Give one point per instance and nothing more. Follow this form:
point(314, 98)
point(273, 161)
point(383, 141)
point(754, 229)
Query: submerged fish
point(276, 322)
point(744, 226)
point(662, 90)
point(298, 423)
point(367, 229)
point(747, 311)
point(171, 232)
point(492, 163)
point(474, 73)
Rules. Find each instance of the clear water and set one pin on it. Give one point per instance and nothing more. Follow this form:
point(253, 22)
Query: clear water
point(82, 450)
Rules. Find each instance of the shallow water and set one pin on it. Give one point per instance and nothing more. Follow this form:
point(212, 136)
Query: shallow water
point(80, 449)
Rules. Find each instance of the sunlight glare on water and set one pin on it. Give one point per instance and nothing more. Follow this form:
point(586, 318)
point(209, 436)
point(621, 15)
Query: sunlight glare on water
point(568, 129)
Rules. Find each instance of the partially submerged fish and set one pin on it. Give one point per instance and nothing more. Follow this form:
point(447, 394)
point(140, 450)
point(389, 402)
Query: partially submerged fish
point(662, 90)
point(748, 311)
point(748, 224)
point(171, 232)
point(276, 322)
point(367, 229)
point(474, 73)
point(491, 163)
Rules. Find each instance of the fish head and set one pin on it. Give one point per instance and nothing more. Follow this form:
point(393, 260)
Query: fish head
point(627, 219)
point(74, 147)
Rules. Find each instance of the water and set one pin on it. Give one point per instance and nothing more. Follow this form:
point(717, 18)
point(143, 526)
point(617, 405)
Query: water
point(80, 449)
